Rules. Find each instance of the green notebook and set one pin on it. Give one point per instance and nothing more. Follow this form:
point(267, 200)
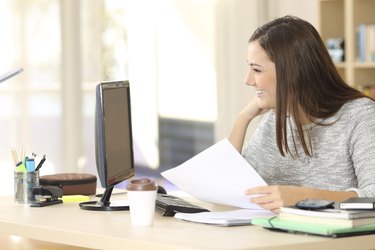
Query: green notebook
point(274, 223)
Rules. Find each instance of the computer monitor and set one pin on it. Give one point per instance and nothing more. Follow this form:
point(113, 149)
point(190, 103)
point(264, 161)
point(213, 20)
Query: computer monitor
point(113, 142)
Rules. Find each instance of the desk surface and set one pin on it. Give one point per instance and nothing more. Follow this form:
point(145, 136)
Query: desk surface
point(68, 224)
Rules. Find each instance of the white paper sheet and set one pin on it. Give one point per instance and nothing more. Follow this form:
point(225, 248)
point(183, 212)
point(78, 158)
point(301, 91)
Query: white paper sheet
point(228, 218)
point(219, 175)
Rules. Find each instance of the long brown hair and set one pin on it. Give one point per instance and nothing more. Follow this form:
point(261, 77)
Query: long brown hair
point(308, 84)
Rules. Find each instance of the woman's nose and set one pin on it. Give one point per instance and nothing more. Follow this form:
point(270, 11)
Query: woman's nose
point(249, 80)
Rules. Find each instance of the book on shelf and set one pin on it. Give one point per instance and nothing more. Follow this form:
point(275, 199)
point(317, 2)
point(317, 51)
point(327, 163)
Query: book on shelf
point(366, 42)
point(369, 91)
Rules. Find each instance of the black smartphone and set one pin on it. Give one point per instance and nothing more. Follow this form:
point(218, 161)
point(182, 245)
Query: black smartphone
point(315, 204)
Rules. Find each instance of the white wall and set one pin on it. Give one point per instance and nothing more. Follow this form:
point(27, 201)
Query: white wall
point(306, 9)
point(236, 21)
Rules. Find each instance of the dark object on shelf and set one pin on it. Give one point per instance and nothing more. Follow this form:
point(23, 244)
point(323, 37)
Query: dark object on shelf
point(336, 49)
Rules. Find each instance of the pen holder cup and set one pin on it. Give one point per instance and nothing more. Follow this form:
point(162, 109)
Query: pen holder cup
point(24, 182)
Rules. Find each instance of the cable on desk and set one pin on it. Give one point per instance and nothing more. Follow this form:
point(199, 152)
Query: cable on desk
point(270, 219)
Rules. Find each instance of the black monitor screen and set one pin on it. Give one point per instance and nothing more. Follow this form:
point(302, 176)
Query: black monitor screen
point(117, 134)
point(113, 141)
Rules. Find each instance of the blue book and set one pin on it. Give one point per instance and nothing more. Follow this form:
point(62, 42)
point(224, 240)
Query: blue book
point(361, 42)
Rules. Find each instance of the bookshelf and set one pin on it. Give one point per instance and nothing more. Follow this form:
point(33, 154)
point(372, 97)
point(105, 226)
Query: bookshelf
point(342, 19)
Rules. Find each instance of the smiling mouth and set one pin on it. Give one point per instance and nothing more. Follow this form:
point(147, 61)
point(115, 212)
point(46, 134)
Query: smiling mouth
point(259, 92)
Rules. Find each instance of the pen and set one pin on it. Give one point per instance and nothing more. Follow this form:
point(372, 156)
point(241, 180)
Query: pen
point(41, 163)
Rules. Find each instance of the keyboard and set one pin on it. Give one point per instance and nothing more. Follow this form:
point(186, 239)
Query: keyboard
point(169, 205)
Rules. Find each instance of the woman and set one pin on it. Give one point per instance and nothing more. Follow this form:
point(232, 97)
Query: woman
point(316, 138)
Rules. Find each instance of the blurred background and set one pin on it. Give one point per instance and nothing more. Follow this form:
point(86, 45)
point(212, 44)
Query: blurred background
point(185, 60)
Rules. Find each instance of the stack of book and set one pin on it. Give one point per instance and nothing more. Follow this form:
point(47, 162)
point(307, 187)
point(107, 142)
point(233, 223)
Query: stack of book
point(327, 222)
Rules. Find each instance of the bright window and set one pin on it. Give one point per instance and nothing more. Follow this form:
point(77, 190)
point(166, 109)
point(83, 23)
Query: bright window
point(162, 47)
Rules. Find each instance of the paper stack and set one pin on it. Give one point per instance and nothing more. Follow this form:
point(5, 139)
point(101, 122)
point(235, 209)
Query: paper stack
point(236, 217)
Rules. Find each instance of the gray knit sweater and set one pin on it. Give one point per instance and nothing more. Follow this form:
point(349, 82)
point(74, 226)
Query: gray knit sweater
point(343, 153)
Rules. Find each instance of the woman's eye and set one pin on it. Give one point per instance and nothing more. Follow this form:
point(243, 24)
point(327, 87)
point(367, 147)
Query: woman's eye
point(256, 70)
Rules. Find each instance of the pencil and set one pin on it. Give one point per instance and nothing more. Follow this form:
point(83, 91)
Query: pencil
point(14, 155)
point(23, 154)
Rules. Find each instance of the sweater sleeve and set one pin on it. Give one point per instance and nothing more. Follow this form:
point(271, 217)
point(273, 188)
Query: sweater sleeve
point(362, 150)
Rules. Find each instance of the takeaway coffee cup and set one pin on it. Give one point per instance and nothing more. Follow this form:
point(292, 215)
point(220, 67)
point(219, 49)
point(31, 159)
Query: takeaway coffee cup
point(142, 196)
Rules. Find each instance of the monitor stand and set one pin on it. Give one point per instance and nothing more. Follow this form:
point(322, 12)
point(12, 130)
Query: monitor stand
point(104, 204)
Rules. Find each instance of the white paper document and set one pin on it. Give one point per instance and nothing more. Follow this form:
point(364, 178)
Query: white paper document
point(228, 218)
point(218, 175)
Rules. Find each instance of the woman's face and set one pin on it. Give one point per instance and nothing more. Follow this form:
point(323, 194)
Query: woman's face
point(261, 76)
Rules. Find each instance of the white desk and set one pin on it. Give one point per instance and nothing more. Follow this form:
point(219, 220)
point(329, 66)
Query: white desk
point(68, 224)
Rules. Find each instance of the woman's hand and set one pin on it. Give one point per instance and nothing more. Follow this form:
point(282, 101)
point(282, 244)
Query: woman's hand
point(251, 110)
point(274, 197)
